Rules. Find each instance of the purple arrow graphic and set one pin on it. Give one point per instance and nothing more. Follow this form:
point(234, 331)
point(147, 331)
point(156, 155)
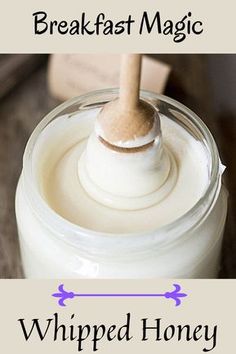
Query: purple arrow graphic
point(63, 295)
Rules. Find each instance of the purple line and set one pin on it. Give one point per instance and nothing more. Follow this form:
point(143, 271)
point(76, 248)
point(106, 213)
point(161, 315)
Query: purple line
point(119, 295)
point(63, 295)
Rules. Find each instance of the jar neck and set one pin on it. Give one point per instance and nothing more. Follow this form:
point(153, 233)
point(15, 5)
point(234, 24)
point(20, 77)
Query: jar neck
point(117, 244)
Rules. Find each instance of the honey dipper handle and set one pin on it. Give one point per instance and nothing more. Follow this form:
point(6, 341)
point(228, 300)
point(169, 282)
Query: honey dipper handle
point(130, 80)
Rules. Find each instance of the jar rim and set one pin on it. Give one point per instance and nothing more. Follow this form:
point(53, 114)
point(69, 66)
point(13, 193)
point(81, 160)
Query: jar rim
point(67, 230)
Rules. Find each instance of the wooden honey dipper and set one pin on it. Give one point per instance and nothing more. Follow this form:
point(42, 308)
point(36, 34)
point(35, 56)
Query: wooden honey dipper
point(128, 124)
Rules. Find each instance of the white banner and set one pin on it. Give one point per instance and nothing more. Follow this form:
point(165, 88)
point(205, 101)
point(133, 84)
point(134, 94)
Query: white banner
point(117, 26)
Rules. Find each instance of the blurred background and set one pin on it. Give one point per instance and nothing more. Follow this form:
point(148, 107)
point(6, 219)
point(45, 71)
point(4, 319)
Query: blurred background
point(30, 88)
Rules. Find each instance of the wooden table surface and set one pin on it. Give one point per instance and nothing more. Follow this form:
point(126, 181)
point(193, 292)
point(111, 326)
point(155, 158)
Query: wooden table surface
point(193, 81)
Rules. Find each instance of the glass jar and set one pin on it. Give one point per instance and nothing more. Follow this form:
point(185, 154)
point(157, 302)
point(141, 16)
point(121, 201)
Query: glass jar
point(189, 247)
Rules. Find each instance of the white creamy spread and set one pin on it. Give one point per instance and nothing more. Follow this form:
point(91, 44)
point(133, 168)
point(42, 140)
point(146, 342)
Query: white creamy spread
point(126, 193)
